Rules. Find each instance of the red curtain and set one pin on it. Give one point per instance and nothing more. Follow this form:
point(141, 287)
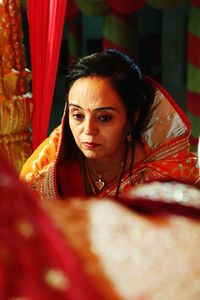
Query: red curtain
point(46, 19)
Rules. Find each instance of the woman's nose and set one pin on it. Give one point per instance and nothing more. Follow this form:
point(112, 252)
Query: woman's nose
point(90, 127)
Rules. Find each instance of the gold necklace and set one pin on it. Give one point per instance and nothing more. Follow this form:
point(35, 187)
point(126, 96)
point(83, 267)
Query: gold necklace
point(99, 183)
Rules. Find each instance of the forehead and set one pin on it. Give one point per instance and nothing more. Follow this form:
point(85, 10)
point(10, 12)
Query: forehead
point(94, 92)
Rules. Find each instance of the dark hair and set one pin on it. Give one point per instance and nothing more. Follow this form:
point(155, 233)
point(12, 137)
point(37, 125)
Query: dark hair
point(125, 77)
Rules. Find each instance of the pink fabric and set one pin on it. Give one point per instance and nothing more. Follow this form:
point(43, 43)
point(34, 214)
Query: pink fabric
point(46, 20)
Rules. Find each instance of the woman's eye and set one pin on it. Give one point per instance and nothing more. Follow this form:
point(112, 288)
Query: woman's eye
point(77, 116)
point(105, 118)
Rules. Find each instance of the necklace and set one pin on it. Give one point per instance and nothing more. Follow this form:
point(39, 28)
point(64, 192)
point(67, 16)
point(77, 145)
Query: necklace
point(97, 180)
point(99, 183)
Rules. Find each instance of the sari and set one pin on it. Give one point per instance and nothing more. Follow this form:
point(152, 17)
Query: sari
point(54, 170)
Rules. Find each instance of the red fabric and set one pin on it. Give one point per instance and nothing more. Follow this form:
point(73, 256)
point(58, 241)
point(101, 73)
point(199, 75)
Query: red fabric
point(25, 259)
point(193, 99)
point(180, 167)
point(193, 49)
point(126, 7)
point(46, 20)
point(69, 177)
point(158, 206)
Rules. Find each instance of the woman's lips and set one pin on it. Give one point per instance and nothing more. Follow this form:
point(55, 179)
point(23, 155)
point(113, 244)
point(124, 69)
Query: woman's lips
point(90, 145)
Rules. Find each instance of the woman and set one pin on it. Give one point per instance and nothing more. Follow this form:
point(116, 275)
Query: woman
point(118, 129)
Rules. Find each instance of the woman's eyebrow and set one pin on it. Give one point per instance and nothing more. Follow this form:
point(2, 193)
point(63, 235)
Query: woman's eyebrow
point(105, 108)
point(78, 106)
point(96, 109)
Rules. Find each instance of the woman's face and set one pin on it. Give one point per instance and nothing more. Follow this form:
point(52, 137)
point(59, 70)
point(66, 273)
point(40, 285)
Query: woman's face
point(97, 118)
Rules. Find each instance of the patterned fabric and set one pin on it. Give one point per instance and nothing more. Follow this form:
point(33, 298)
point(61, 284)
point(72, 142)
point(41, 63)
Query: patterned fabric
point(16, 105)
point(166, 142)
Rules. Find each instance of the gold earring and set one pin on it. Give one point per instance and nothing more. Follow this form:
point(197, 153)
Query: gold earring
point(129, 136)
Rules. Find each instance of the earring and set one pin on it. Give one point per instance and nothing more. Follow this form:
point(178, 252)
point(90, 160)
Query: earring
point(129, 136)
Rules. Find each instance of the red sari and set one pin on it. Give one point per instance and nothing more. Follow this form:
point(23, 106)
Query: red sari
point(54, 169)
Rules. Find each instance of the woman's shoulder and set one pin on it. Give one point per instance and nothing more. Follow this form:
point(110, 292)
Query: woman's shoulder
point(42, 156)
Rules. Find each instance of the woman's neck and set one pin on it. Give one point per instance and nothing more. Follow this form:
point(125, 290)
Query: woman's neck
point(111, 163)
point(103, 165)
point(99, 173)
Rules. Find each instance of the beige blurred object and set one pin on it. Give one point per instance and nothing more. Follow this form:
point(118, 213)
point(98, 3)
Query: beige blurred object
point(15, 99)
point(168, 192)
point(132, 255)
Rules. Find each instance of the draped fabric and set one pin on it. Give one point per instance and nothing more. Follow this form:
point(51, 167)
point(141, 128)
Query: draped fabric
point(193, 71)
point(46, 20)
point(15, 100)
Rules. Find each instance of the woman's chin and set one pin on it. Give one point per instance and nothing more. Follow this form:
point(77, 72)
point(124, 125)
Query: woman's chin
point(90, 154)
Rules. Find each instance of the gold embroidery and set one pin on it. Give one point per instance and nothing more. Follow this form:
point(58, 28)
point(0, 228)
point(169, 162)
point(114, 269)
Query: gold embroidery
point(168, 150)
point(186, 171)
